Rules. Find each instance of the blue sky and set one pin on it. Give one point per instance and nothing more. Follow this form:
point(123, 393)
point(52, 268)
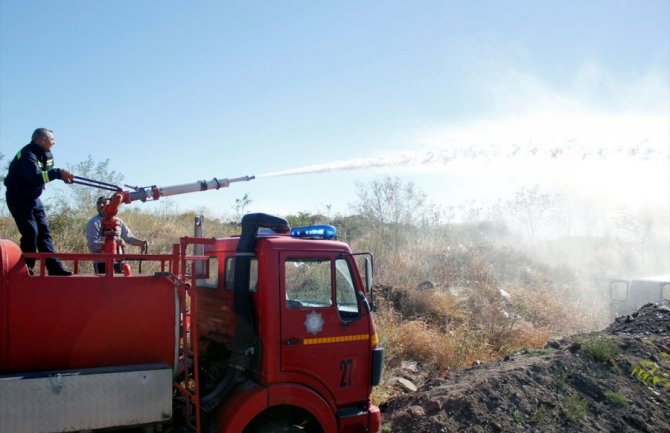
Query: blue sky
point(172, 92)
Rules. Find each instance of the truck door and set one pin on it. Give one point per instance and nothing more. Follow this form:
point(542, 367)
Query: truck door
point(324, 327)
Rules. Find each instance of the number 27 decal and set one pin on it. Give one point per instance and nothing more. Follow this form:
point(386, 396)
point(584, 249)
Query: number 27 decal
point(346, 367)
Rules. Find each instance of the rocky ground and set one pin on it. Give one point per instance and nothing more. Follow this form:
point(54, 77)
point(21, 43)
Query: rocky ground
point(616, 380)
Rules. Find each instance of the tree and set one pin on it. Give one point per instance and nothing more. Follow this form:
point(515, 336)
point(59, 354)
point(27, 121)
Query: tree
point(304, 218)
point(240, 207)
point(531, 208)
point(84, 197)
point(390, 202)
point(391, 206)
point(642, 225)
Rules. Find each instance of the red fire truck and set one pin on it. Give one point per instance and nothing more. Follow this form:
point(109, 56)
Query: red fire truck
point(269, 331)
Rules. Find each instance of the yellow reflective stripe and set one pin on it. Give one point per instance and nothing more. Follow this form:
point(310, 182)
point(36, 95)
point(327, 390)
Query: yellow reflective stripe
point(342, 339)
point(45, 176)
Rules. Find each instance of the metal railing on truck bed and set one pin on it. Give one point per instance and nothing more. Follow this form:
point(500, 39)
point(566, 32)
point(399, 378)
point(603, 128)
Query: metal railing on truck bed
point(179, 267)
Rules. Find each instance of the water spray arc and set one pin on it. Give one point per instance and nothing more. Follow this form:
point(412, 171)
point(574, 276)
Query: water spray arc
point(441, 157)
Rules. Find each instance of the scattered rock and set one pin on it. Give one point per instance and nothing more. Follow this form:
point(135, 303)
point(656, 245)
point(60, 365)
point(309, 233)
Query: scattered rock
point(417, 411)
point(406, 384)
point(553, 344)
point(432, 406)
point(409, 366)
point(425, 285)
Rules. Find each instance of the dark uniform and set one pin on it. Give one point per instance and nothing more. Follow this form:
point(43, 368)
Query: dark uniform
point(30, 170)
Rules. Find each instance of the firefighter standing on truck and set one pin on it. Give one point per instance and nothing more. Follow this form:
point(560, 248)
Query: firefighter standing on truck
point(30, 170)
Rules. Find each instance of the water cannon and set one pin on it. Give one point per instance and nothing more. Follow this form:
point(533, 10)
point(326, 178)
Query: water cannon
point(110, 224)
point(155, 192)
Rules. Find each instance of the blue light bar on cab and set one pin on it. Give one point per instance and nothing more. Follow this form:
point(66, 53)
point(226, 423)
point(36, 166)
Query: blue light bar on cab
point(315, 232)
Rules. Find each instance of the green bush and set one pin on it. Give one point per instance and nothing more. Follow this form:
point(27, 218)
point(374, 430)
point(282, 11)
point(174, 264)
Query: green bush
point(539, 414)
point(650, 373)
point(574, 408)
point(518, 418)
point(615, 398)
point(601, 350)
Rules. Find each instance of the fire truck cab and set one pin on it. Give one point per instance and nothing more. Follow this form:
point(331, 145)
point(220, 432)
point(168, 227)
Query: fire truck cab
point(270, 331)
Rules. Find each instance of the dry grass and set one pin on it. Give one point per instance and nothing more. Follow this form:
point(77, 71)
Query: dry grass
point(433, 305)
point(437, 306)
point(467, 317)
point(417, 340)
point(437, 329)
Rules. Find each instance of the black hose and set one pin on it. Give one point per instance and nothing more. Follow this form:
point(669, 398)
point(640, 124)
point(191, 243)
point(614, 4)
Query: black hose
point(94, 185)
point(244, 313)
point(211, 401)
point(145, 250)
point(244, 343)
point(93, 182)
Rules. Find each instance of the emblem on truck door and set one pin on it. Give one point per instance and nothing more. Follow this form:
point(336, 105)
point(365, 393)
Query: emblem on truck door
point(314, 322)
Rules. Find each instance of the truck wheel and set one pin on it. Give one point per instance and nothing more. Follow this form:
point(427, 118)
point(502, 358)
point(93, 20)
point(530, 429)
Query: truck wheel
point(278, 427)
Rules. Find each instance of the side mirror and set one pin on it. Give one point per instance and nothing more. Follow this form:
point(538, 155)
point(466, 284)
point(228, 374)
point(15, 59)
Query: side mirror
point(369, 270)
point(619, 291)
point(368, 283)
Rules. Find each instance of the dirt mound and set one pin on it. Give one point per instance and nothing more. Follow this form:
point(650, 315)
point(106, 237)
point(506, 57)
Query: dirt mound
point(650, 319)
point(615, 380)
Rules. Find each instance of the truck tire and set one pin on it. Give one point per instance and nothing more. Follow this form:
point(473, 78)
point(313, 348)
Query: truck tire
point(278, 427)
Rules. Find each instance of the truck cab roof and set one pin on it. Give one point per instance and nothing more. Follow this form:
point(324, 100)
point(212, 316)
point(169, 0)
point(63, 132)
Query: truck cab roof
point(282, 242)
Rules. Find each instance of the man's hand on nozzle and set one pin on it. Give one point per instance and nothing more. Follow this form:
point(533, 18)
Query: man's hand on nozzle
point(66, 176)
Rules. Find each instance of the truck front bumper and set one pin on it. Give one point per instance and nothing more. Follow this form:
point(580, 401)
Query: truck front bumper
point(359, 420)
point(375, 419)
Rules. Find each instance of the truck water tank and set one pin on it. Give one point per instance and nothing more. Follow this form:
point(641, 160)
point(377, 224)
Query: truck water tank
point(83, 321)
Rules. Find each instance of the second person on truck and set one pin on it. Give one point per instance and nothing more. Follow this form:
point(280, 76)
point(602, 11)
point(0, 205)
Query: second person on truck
point(96, 242)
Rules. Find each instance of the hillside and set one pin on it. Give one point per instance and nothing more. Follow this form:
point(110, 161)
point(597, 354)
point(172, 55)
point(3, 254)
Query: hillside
point(617, 379)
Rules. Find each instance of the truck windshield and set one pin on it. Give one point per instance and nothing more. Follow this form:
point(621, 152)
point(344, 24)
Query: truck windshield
point(309, 283)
